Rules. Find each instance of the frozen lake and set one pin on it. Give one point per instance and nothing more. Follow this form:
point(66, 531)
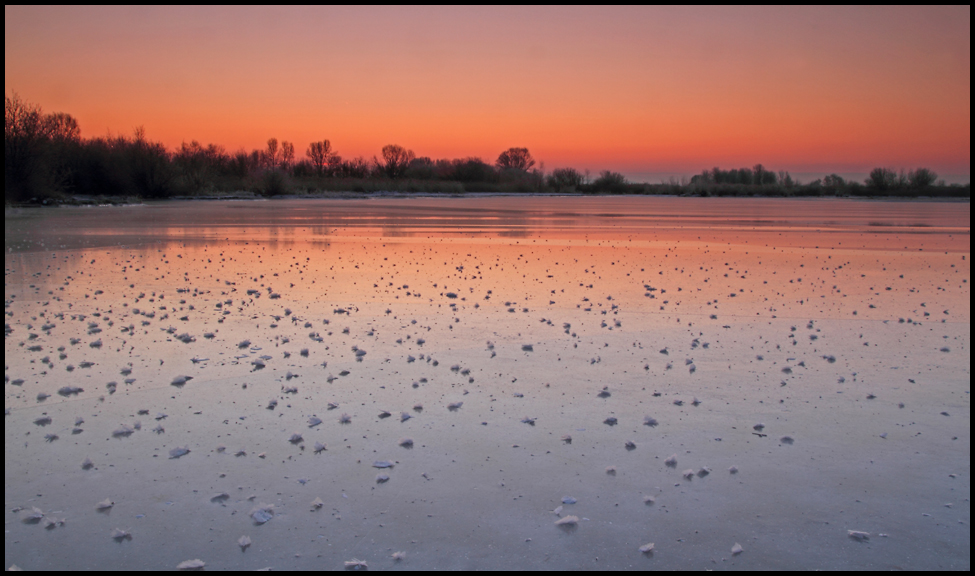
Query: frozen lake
point(818, 348)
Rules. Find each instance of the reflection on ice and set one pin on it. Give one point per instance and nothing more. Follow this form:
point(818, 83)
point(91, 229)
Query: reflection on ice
point(242, 323)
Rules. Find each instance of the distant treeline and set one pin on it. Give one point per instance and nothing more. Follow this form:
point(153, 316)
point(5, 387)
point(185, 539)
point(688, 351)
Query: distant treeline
point(881, 182)
point(46, 160)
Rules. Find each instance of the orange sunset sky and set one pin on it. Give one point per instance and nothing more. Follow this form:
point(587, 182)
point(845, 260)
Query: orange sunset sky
point(650, 92)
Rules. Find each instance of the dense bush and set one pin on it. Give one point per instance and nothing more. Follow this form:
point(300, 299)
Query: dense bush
point(565, 180)
point(610, 182)
point(274, 183)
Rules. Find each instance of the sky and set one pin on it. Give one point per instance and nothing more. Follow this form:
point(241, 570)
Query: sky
point(652, 92)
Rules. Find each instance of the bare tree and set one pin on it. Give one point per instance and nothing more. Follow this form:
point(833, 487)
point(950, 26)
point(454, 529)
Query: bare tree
point(516, 158)
point(34, 146)
point(271, 154)
point(287, 154)
point(320, 153)
point(197, 165)
point(396, 160)
point(62, 127)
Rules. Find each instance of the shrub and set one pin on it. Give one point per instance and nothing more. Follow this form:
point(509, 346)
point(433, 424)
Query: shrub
point(565, 179)
point(882, 179)
point(274, 183)
point(610, 182)
point(921, 178)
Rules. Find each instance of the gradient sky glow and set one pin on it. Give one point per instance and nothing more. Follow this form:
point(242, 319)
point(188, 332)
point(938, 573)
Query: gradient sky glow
point(645, 91)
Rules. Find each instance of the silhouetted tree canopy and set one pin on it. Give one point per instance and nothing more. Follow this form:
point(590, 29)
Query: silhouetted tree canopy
point(62, 127)
point(271, 154)
point(921, 178)
point(756, 176)
point(421, 169)
point(287, 154)
point(320, 153)
point(396, 160)
point(197, 165)
point(467, 170)
point(27, 136)
point(515, 159)
point(882, 179)
point(355, 168)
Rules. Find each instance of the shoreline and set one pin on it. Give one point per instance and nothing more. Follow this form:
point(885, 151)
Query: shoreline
point(117, 201)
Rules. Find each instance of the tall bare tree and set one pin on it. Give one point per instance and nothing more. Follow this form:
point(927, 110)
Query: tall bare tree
point(319, 153)
point(287, 154)
point(271, 154)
